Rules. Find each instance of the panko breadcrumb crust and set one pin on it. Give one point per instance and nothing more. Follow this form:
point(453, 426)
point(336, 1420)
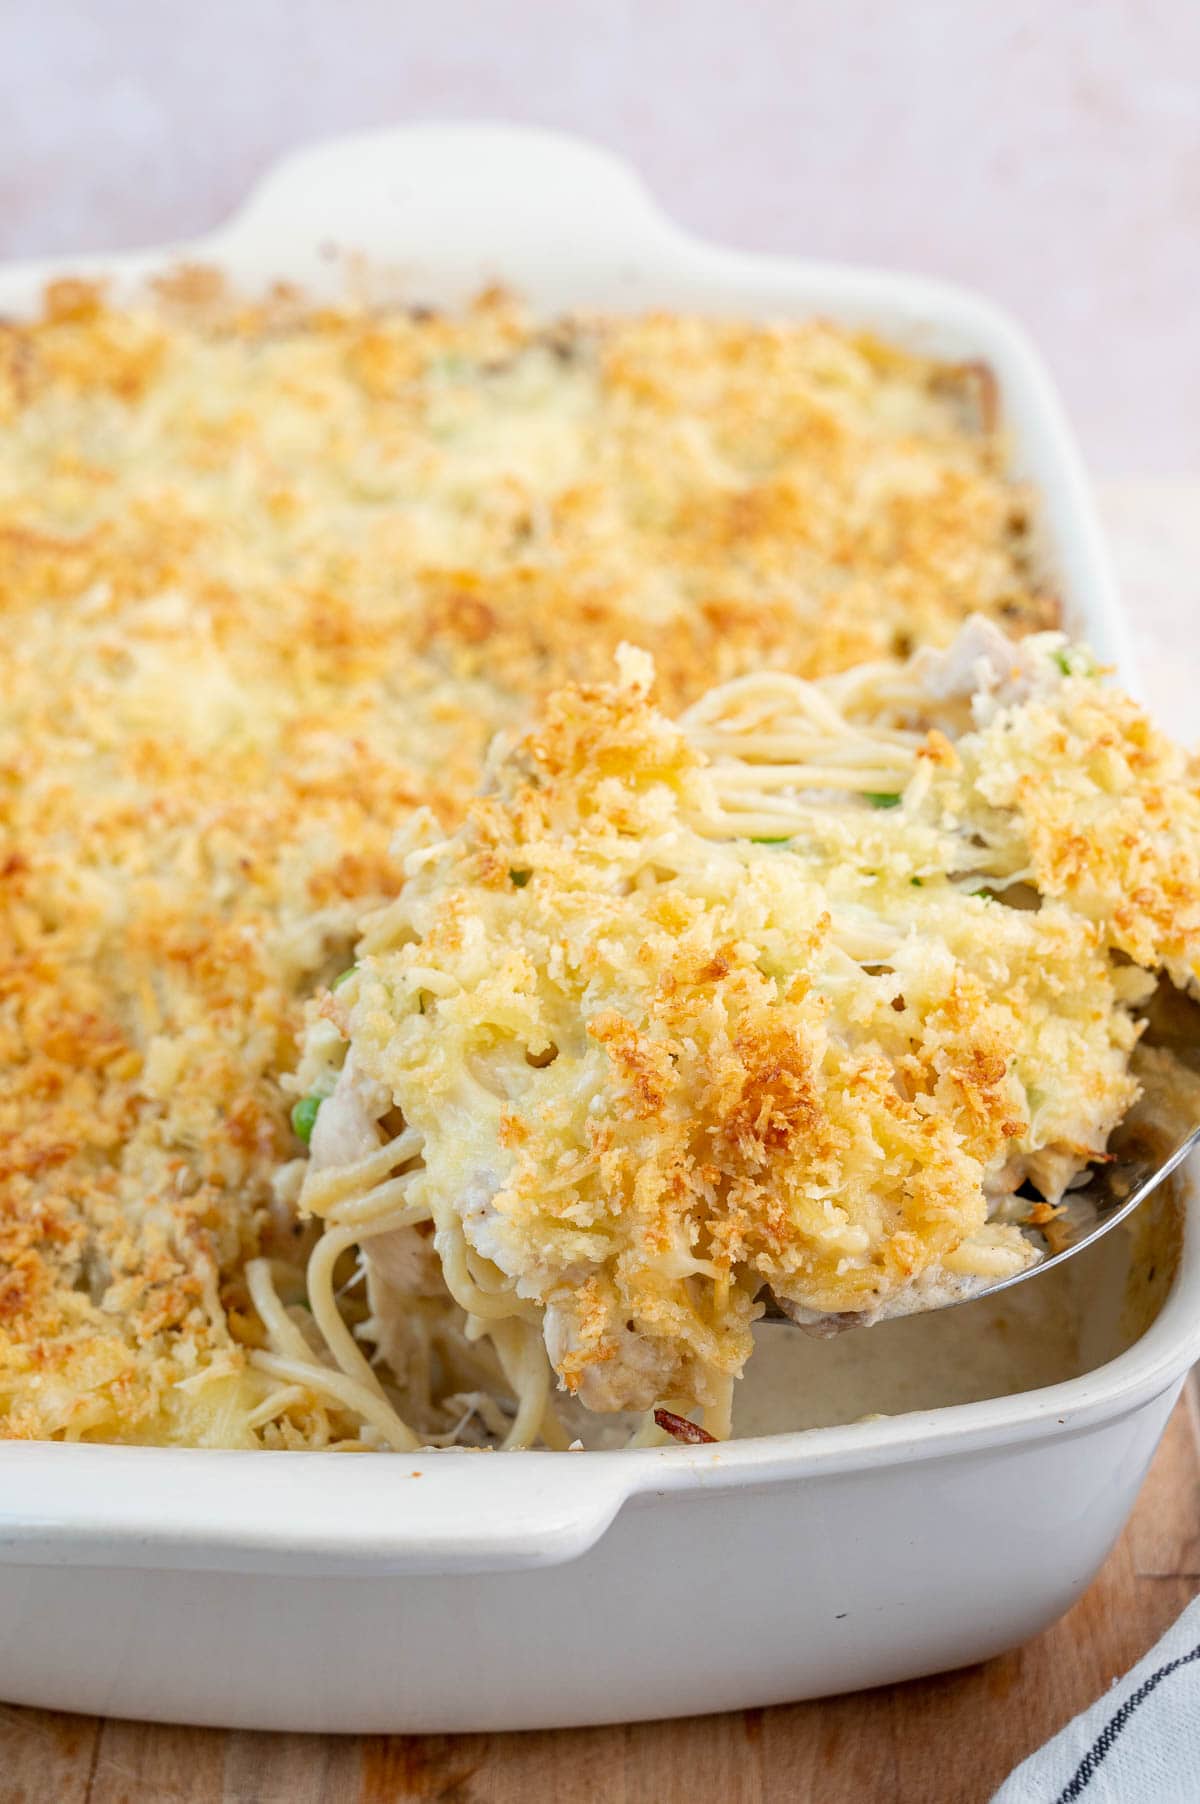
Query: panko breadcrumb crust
point(272, 575)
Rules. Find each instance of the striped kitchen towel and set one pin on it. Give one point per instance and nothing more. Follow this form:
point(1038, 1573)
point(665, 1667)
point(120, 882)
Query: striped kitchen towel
point(1139, 1744)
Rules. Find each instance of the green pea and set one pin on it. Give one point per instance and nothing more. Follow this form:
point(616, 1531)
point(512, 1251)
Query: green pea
point(304, 1116)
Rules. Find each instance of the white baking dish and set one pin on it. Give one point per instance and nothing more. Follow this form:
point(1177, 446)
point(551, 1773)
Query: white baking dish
point(444, 1592)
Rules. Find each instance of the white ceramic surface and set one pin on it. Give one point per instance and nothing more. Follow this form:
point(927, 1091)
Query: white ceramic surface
point(476, 1591)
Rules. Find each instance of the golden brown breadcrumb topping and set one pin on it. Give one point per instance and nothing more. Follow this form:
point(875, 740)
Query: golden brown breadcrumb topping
point(271, 576)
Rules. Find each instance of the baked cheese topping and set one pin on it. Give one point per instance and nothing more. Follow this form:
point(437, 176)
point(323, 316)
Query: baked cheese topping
point(272, 577)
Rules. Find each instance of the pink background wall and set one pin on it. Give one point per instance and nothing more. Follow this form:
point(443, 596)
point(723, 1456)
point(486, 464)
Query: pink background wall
point(1045, 150)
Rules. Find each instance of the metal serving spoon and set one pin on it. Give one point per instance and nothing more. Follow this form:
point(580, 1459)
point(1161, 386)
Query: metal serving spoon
point(1113, 1192)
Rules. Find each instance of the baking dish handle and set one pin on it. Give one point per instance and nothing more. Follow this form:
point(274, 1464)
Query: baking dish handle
point(446, 198)
point(195, 1510)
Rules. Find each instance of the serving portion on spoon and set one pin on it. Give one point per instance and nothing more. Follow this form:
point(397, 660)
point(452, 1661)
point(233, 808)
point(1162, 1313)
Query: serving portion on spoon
point(1109, 1196)
point(829, 990)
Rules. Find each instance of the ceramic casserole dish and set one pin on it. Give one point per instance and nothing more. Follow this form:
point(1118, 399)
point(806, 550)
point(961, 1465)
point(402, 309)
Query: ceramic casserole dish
point(469, 1592)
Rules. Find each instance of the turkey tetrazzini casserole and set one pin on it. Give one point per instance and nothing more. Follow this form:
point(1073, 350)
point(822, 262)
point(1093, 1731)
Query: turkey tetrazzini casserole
point(273, 578)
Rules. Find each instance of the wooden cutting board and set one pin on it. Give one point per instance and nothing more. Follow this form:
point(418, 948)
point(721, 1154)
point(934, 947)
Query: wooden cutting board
point(946, 1740)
